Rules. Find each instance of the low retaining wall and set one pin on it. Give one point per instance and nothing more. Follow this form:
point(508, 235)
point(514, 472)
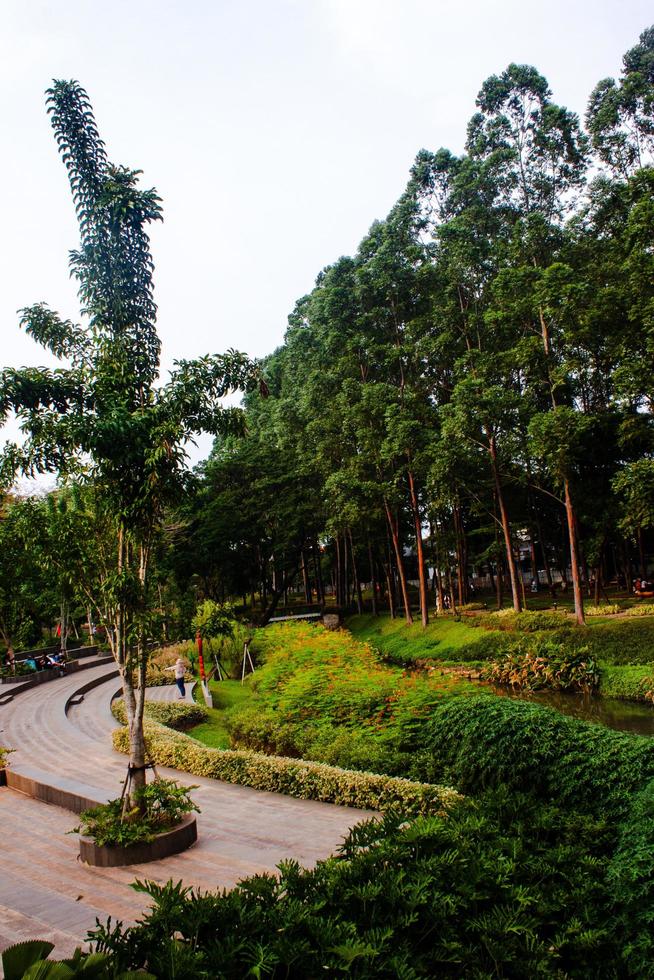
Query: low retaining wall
point(37, 677)
point(89, 686)
point(172, 841)
point(67, 793)
point(16, 685)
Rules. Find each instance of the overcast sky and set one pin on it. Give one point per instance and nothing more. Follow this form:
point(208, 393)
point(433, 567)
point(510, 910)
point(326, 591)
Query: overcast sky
point(275, 131)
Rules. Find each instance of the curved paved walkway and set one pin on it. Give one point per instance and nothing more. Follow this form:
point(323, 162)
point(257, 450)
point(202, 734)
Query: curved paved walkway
point(43, 888)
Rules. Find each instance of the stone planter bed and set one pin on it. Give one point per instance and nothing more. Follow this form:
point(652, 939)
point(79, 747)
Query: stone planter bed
point(172, 841)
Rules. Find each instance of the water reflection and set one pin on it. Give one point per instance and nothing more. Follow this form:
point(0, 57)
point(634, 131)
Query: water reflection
point(623, 716)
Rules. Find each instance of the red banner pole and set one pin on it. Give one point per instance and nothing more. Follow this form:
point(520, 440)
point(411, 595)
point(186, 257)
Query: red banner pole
point(198, 637)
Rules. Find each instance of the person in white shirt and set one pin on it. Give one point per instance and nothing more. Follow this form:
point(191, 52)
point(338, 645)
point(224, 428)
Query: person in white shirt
point(180, 669)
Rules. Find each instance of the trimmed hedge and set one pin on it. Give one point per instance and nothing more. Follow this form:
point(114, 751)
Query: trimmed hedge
point(528, 621)
point(608, 609)
point(292, 777)
point(169, 713)
point(475, 744)
point(617, 642)
point(631, 877)
point(632, 683)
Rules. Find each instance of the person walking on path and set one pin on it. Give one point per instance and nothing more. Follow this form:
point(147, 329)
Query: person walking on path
point(180, 669)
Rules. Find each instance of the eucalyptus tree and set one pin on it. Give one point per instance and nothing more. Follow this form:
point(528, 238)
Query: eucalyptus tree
point(620, 115)
point(538, 156)
point(103, 415)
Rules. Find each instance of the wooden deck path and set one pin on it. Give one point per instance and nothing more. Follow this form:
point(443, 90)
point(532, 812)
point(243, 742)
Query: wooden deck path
point(45, 892)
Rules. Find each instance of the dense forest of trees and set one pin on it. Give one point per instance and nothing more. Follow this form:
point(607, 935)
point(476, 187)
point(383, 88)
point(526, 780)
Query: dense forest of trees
point(471, 393)
point(473, 389)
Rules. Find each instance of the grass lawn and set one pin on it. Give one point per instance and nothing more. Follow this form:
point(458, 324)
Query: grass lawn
point(392, 637)
point(225, 694)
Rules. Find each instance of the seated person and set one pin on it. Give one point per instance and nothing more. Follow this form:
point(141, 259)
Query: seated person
point(56, 660)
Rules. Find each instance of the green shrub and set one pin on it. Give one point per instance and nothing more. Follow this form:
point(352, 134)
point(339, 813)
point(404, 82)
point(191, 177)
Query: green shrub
point(159, 805)
point(400, 644)
point(608, 609)
point(528, 621)
point(29, 961)
point(327, 697)
point(631, 878)
point(4, 761)
point(476, 743)
point(547, 666)
point(479, 894)
point(178, 716)
point(292, 777)
point(487, 646)
point(617, 642)
point(633, 683)
point(172, 714)
point(646, 609)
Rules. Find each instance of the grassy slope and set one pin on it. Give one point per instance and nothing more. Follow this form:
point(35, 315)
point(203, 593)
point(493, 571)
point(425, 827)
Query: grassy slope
point(225, 695)
point(442, 638)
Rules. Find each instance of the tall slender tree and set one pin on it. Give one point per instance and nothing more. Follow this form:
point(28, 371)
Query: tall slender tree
point(104, 417)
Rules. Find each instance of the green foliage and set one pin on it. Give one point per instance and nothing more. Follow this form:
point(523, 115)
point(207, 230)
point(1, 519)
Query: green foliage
point(29, 961)
point(322, 695)
point(169, 713)
point(4, 753)
point(174, 715)
point(607, 609)
point(292, 777)
point(158, 806)
point(213, 619)
point(476, 743)
point(631, 878)
point(528, 621)
point(548, 666)
point(632, 682)
point(400, 644)
point(225, 695)
point(617, 642)
point(505, 888)
point(644, 609)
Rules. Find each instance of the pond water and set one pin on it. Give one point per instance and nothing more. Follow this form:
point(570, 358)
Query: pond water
point(623, 716)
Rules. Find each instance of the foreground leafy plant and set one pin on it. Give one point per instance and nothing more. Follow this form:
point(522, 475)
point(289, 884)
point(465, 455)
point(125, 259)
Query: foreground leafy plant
point(29, 961)
point(501, 888)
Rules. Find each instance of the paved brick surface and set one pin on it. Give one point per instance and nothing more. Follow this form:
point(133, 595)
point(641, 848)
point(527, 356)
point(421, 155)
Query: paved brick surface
point(50, 893)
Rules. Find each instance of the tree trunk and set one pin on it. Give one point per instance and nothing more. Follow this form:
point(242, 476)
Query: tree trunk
point(492, 448)
point(390, 589)
point(461, 555)
point(355, 576)
point(339, 574)
point(305, 579)
point(373, 578)
point(451, 588)
point(392, 523)
point(422, 575)
point(317, 573)
point(64, 626)
point(574, 559)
